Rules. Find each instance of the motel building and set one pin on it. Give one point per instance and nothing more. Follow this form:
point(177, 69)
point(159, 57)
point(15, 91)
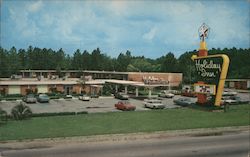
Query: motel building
point(89, 82)
point(241, 84)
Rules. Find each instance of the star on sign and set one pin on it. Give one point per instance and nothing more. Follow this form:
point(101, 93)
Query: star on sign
point(203, 31)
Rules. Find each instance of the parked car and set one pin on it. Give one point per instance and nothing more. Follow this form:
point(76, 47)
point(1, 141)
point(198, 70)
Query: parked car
point(121, 96)
point(211, 102)
point(43, 98)
point(94, 96)
point(125, 106)
point(166, 94)
point(84, 97)
point(153, 104)
point(239, 100)
point(30, 98)
point(228, 92)
point(175, 92)
point(188, 94)
point(183, 102)
point(68, 96)
point(228, 100)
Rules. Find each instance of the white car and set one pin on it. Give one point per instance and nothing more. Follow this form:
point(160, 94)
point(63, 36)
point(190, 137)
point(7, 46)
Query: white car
point(227, 92)
point(84, 98)
point(228, 100)
point(153, 104)
point(166, 94)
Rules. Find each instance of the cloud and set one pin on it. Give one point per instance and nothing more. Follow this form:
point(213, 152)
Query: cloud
point(35, 6)
point(144, 27)
point(149, 36)
point(22, 24)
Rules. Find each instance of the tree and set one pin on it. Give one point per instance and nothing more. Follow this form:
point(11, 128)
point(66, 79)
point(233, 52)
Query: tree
point(169, 63)
point(96, 60)
point(187, 67)
point(77, 60)
point(22, 58)
point(123, 61)
point(60, 59)
point(141, 64)
point(86, 60)
point(4, 63)
point(13, 61)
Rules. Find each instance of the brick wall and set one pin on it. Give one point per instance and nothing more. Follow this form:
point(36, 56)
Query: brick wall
point(4, 90)
point(174, 78)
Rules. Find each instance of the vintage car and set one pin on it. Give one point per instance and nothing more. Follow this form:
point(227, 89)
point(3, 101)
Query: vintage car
point(183, 102)
point(94, 96)
point(68, 96)
point(166, 94)
point(228, 92)
point(188, 94)
point(84, 97)
point(228, 100)
point(125, 106)
point(153, 103)
point(30, 98)
point(43, 98)
point(121, 96)
point(239, 100)
point(233, 100)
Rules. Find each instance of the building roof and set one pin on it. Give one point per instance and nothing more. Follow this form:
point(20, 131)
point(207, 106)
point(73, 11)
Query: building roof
point(134, 83)
point(238, 79)
point(34, 82)
point(75, 81)
point(94, 71)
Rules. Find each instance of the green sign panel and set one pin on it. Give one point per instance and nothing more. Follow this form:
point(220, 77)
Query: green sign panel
point(209, 69)
point(212, 70)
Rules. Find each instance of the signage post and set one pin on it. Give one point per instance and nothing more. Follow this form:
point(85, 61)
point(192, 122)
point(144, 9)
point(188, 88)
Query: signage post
point(211, 71)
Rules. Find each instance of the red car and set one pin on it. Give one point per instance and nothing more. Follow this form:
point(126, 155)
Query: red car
point(188, 94)
point(125, 106)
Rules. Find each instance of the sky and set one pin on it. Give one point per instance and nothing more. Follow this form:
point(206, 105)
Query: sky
point(151, 28)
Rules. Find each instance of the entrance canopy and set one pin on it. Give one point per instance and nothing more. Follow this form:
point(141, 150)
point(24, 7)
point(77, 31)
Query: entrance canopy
point(135, 83)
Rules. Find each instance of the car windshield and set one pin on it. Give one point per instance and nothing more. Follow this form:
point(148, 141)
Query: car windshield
point(43, 95)
point(185, 99)
point(30, 96)
point(154, 101)
point(125, 102)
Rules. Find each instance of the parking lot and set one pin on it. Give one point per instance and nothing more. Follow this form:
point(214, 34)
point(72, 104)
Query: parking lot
point(101, 104)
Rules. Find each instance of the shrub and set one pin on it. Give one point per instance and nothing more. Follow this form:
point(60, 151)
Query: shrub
point(13, 95)
point(58, 114)
point(3, 115)
point(21, 111)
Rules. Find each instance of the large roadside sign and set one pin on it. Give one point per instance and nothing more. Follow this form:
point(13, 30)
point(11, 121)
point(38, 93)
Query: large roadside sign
point(212, 70)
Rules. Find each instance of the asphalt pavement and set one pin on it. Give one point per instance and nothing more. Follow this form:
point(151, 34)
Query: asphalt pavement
point(102, 104)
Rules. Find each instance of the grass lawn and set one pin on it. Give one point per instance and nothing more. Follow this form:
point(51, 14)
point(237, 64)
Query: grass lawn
point(123, 122)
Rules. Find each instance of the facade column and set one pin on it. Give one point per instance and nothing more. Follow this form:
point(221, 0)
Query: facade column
point(126, 89)
point(136, 92)
point(149, 93)
point(116, 88)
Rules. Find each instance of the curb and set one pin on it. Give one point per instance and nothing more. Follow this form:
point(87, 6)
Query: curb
point(50, 142)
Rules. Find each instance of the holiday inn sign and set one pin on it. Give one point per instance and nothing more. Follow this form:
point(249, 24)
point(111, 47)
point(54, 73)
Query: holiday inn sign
point(211, 71)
